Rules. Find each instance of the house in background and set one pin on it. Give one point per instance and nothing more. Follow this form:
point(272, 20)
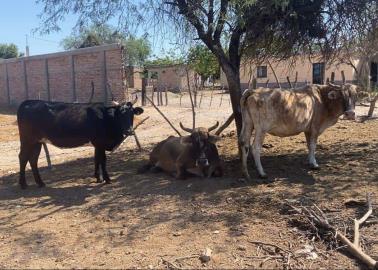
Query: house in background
point(172, 77)
point(310, 71)
point(133, 77)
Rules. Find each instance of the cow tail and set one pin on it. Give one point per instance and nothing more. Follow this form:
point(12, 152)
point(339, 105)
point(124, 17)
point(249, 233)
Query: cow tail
point(243, 102)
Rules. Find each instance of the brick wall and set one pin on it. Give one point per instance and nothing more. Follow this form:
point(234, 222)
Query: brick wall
point(64, 76)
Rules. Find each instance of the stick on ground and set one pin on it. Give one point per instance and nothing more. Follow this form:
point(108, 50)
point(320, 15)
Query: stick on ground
point(165, 118)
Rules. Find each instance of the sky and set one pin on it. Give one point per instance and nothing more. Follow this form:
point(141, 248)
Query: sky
point(19, 17)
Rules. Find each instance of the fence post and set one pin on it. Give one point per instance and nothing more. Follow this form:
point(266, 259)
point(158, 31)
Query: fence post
point(105, 77)
point(7, 83)
point(333, 77)
point(73, 78)
point(166, 96)
point(47, 77)
point(144, 81)
point(161, 96)
point(25, 75)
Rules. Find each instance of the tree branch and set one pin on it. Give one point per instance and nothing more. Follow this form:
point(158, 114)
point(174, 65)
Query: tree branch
point(221, 20)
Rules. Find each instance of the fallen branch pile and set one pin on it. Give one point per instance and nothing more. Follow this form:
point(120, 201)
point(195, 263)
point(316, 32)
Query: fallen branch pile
point(316, 221)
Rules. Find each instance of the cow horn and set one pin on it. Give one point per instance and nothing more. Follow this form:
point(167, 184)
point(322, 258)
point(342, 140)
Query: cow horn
point(213, 127)
point(185, 129)
point(333, 85)
point(135, 100)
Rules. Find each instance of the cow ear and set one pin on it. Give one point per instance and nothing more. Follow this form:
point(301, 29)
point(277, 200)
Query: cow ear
point(186, 140)
point(213, 138)
point(332, 94)
point(138, 110)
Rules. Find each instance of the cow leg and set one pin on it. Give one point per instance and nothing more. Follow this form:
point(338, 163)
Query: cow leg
point(33, 160)
point(311, 145)
point(256, 149)
point(105, 174)
point(180, 171)
point(23, 158)
point(245, 142)
point(97, 164)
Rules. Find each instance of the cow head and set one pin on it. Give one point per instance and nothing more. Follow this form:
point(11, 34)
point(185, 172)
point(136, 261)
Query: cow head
point(200, 140)
point(346, 95)
point(126, 113)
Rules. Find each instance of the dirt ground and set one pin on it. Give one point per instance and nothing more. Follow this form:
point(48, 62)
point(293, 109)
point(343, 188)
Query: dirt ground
point(155, 221)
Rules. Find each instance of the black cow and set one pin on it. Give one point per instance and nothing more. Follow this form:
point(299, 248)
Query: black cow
point(70, 125)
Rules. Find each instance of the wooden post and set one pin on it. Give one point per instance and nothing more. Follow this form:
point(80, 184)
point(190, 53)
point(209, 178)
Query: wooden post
point(191, 98)
point(73, 79)
point(333, 77)
point(161, 96)
point(7, 83)
point(296, 79)
point(25, 75)
point(343, 77)
point(153, 93)
point(47, 77)
point(158, 96)
point(166, 96)
point(289, 82)
point(144, 82)
point(254, 83)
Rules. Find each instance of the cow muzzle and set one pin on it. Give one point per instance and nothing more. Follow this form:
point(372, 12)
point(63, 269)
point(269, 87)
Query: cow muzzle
point(350, 115)
point(202, 162)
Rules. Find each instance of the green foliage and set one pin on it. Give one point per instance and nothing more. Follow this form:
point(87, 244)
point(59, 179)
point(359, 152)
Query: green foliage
point(9, 51)
point(204, 62)
point(90, 41)
point(137, 50)
point(103, 34)
point(170, 58)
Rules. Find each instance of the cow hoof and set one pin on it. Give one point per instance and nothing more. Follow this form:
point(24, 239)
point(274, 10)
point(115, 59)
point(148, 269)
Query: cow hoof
point(263, 176)
point(314, 167)
point(107, 182)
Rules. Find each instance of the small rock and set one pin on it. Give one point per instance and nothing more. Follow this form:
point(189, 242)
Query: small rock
point(206, 255)
point(177, 234)
point(121, 233)
point(216, 232)
point(150, 266)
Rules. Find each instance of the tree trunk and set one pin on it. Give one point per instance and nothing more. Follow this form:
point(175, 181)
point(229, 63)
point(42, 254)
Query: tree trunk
point(233, 80)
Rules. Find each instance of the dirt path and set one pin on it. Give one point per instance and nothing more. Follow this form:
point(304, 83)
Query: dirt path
point(147, 221)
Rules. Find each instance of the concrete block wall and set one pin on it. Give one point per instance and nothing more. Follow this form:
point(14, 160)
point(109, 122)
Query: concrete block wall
point(64, 76)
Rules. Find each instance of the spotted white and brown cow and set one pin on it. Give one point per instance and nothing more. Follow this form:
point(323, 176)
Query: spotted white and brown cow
point(283, 113)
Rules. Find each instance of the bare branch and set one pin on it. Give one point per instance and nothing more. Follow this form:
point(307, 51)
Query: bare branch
point(165, 118)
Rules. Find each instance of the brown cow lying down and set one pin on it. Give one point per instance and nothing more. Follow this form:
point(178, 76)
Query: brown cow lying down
point(195, 154)
point(284, 113)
